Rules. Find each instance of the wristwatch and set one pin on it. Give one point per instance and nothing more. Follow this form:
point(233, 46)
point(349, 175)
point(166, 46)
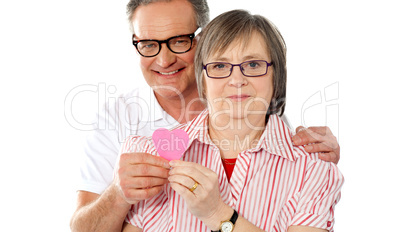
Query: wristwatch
point(228, 225)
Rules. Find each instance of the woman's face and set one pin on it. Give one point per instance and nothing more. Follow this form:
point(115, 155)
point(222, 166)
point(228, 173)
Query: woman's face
point(239, 96)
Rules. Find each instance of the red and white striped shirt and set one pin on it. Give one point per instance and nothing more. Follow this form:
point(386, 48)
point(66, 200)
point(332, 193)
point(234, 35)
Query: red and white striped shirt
point(274, 185)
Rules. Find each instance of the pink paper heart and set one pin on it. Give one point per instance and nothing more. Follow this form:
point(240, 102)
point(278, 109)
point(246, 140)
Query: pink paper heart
point(170, 144)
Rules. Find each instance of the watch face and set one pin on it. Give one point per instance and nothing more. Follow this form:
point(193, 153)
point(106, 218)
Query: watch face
point(227, 227)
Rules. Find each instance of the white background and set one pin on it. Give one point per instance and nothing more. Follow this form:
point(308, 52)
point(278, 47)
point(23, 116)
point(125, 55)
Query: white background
point(344, 70)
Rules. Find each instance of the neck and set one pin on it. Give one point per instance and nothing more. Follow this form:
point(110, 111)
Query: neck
point(238, 135)
point(183, 108)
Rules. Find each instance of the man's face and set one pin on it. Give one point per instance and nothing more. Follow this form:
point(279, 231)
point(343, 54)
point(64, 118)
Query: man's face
point(169, 74)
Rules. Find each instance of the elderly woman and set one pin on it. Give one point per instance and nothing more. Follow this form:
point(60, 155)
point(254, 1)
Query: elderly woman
point(240, 171)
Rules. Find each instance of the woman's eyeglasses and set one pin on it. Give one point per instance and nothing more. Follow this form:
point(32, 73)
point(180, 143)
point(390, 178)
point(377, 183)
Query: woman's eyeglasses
point(251, 68)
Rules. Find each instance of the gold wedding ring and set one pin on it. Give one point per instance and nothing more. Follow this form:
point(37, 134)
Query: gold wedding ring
point(194, 187)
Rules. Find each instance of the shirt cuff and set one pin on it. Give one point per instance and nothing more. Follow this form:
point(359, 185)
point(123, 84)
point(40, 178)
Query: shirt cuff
point(313, 220)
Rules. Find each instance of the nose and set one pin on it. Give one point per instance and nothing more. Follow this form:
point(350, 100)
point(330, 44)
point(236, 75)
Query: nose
point(237, 79)
point(165, 58)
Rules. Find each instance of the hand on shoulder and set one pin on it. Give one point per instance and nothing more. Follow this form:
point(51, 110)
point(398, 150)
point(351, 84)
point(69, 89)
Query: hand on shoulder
point(320, 140)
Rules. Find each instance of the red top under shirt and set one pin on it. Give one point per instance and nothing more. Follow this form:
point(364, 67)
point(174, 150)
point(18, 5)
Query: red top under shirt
point(228, 165)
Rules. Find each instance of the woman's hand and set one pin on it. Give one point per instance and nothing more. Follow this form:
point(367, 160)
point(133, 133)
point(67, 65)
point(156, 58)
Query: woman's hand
point(205, 200)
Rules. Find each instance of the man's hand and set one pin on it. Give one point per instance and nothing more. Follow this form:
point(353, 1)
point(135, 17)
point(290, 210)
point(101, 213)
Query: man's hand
point(141, 176)
point(318, 139)
point(138, 176)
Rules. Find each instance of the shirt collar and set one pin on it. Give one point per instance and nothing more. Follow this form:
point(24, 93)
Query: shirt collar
point(198, 128)
point(276, 138)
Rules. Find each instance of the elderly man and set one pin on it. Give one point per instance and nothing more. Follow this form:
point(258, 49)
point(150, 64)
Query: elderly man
point(164, 35)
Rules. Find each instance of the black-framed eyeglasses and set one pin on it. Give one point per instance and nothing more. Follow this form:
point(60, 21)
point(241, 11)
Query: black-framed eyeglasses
point(251, 68)
point(176, 44)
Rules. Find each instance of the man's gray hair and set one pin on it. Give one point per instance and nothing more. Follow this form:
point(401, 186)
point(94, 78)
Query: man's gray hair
point(200, 7)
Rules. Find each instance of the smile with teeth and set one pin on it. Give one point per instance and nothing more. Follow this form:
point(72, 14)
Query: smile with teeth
point(169, 73)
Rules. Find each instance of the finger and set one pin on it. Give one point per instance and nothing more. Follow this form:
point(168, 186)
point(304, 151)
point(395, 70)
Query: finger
point(306, 136)
point(143, 170)
point(329, 157)
point(134, 195)
point(180, 163)
point(207, 179)
point(327, 138)
point(143, 182)
point(185, 181)
point(184, 192)
point(322, 130)
point(149, 170)
point(144, 158)
point(190, 173)
point(196, 171)
point(317, 147)
point(322, 147)
point(300, 128)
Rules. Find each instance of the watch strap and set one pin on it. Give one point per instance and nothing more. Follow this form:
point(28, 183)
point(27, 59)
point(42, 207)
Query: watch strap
point(233, 219)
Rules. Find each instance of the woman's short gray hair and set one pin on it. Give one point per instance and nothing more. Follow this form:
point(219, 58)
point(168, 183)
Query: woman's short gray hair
point(240, 24)
point(201, 10)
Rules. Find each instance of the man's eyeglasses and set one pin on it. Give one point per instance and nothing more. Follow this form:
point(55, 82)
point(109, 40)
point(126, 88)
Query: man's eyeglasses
point(251, 68)
point(176, 44)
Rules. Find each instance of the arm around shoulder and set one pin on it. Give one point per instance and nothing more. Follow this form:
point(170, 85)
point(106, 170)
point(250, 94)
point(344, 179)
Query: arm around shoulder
point(318, 139)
